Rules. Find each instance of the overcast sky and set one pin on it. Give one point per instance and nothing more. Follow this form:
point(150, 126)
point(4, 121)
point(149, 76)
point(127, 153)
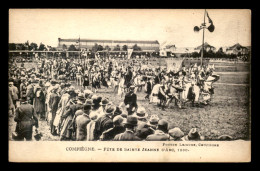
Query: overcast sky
point(176, 26)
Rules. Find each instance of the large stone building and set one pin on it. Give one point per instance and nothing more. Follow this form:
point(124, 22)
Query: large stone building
point(89, 43)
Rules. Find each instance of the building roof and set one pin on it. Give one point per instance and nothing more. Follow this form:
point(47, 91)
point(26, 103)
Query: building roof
point(236, 46)
point(205, 46)
point(111, 41)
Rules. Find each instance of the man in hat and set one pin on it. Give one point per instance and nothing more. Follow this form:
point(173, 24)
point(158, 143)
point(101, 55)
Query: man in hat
point(153, 121)
point(14, 93)
point(68, 126)
point(25, 118)
point(23, 87)
point(39, 102)
point(30, 91)
point(143, 130)
point(194, 135)
point(117, 129)
point(141, 115)
point(53, 104)
point(129, 134)
point(104, 103)
point(105, 122)
point(176, 134)
point(148, 88)
point(130, 100)
point(160, 133)
point(82, 120)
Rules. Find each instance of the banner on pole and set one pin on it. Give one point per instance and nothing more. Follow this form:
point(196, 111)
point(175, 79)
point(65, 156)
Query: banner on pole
point(129, 53)
point(174, 64)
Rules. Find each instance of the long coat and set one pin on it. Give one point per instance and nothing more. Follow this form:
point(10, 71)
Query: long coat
point(81, 127)
point(24, 115)
point(39, 102)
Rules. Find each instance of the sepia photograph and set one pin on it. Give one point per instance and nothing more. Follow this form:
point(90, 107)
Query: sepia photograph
point(94, 85)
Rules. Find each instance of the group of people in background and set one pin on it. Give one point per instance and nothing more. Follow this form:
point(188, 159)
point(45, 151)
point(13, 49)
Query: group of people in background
point(48, 93)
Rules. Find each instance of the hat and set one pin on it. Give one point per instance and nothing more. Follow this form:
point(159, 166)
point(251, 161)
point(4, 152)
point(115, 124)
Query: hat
point(132, 87)
point(131, 120)
point(141, 113)
point(78, 112)
point(176, 133)
point(153, 121)
point(110, 109)
point(118, 111)
point(88, 102)
point(104, 102)
point(71, 89)
point(87, 92)
point(193, 135)
point(163, 123)
point(225, 137)
point(81, 97)
point(118, 120)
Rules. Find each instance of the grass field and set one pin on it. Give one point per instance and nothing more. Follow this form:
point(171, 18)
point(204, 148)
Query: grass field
point(228, 113)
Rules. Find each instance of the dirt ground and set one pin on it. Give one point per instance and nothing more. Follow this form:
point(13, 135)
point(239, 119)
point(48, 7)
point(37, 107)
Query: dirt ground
point(228, 113)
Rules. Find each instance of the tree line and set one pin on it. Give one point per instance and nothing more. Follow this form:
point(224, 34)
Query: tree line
point(211, 54)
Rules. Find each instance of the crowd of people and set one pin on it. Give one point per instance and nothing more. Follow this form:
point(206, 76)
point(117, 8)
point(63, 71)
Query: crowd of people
point(47, 93)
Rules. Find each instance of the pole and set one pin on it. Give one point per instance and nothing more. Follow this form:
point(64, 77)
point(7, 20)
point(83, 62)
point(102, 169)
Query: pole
point(203, 39)
point(79, 50)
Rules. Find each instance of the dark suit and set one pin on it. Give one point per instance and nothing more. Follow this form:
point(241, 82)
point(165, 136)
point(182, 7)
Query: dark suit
point(112, 132)
point(131, 100)
point(24, 116)
point(53, 103)
point(103, 123)
point(127, 136)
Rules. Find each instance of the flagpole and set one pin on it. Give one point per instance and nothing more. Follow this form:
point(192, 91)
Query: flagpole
point(203, 39)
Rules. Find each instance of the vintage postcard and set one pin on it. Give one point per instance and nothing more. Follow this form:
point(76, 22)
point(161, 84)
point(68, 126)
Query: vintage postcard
point(129, 85)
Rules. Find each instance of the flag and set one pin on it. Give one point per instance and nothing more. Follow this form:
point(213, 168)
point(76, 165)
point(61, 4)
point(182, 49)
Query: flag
point(129, 53)
point(210, 21)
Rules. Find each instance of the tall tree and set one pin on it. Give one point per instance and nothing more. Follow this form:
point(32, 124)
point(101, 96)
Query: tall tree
point(100, 48)
point(107, 48)
point(33, 46)
point(12, 46)
point(72, 48)
point(42, 47)
point(117, 48)
point(136, 48)
point(95, 48)
point(64, 47)
point(125, 48)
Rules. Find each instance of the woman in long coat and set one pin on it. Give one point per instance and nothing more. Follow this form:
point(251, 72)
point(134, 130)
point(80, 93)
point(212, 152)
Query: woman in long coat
point(39, 103)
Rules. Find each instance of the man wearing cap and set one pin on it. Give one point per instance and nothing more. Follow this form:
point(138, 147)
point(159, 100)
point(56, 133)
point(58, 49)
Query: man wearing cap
point(82, 120)
point(129, 134)
point(160, 133)
point(53, 104)
point(117, 129)
point(105, 122)
point(130, 100)
point(25, 118)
